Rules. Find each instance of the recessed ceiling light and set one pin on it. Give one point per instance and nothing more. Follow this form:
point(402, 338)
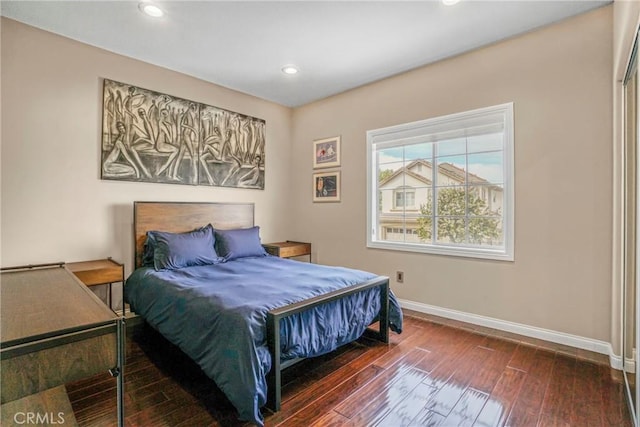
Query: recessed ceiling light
point(450, 2)
point(150, 9)
point(290, 69)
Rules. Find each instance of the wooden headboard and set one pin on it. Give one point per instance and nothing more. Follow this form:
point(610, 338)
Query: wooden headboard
point(178, 217)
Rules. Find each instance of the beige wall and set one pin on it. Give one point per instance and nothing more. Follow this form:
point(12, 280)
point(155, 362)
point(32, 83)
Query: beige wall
point(626, 16)
point(560, 81)
point(54, 205)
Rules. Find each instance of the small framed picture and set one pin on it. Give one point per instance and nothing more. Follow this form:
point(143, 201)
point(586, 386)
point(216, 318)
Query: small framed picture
point(326, 187)
point(326, 152)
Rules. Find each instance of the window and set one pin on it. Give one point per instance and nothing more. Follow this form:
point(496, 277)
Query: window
point(443, 185)
point(405, 197)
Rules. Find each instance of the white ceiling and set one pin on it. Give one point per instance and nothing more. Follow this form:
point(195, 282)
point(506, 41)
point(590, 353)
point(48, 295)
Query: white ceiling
point(338, 45)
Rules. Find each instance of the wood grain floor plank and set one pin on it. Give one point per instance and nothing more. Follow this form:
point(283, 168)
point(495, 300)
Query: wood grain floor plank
point(556, 407)
point(354, 403)
point(526, 409)
point(427, 418)
point(450, 391)
point(331, 398)
point(523, 417)
point(332, 419)
point(395, 352)
point(491, 371)
point(444, 357)
point(394, 394)
point(99, 386)
point(587, 409)
point(137, 403)
point(466, 409)
point(201, 419)
point(549, 420)
point(163, 413)
point(502, 398)
point(91, 385)
point(404, 413)
point(522, 358)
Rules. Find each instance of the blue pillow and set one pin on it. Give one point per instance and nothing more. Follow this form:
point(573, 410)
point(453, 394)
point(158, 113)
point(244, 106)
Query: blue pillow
point(178, 250)
point(239, 243)
point(149, 249)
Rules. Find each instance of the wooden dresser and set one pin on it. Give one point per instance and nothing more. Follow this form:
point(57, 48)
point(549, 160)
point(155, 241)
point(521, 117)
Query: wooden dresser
point(54, 330)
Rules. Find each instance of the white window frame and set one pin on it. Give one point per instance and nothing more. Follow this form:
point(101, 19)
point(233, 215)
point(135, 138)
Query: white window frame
point(409, 133)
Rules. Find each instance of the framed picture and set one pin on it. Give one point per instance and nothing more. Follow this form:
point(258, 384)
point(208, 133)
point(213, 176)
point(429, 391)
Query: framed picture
point(326, 187)
point(326, 152)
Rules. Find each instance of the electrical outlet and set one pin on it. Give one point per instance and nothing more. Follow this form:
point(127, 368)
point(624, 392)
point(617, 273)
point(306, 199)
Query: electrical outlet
point(399, 276)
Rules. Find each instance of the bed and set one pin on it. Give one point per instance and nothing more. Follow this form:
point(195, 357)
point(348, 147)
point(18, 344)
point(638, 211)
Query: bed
point(242, 315)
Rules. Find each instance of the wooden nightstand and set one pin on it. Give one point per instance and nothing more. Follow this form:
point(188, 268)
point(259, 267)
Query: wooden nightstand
point(288, 249)
point(98, 272)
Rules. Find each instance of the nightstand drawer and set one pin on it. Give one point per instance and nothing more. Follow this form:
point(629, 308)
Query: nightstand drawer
point(288, 249)
point(295, 250)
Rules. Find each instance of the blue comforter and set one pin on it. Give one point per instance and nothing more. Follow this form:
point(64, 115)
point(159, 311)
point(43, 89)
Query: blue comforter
point(217, 315)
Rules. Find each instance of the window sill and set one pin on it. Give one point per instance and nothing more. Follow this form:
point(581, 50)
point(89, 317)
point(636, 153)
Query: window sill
point(490, 254)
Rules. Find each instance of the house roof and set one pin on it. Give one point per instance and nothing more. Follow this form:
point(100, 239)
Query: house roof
point(446, 169)
point(406, 170)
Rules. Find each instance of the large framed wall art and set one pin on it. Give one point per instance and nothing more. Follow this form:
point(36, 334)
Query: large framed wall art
point(149, 136)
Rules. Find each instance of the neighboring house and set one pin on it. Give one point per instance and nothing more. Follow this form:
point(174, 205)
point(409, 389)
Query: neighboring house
point(404, 191)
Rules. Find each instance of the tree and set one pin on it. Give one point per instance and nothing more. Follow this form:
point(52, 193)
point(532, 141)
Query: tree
point(384, 174)
point(482, 225)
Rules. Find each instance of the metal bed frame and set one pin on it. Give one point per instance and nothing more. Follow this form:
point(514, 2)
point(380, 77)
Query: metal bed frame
point(274, 378)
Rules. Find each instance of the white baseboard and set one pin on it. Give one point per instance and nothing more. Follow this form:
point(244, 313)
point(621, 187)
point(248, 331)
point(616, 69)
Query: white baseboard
point(576, 341)
point(630, 364)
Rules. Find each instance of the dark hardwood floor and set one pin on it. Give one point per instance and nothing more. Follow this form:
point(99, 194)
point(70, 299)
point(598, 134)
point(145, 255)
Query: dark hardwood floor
point(432, 374)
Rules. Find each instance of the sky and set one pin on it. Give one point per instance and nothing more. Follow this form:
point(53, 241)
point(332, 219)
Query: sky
point(484, 156)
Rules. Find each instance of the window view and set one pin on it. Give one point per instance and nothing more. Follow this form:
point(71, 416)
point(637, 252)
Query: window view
point(444, 185)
